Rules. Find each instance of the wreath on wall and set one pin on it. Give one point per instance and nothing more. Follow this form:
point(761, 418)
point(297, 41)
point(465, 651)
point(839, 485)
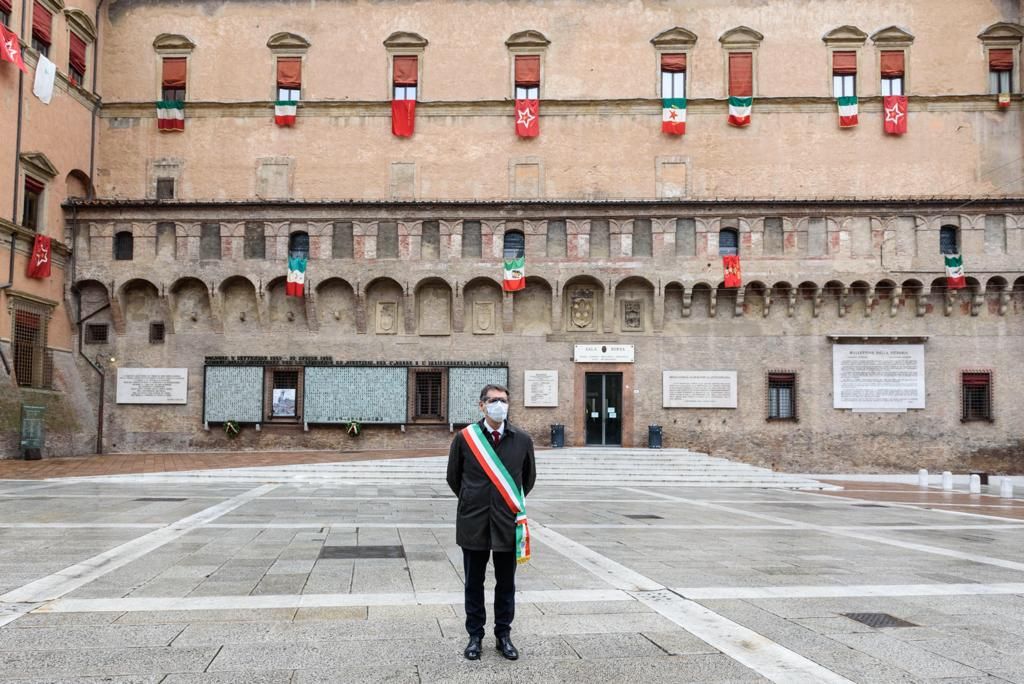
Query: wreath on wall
point(231, 429)
point(353, 428)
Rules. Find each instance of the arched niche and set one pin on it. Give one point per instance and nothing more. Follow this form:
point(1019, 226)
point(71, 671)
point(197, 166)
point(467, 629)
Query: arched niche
point(238, 301)
point(531, 313)
point(857, 302)
point(190, 305)
point(674, 292)
point(700, 301)
point(583, 304)
point(76, 185)
point(336, 306)
point(831, 299)
point(140, 304)
point(482, 300)
point(634, 305)
point(286, 313)
point(433, 307)
point(754, 298)
point(780, 295)
point(726, 301)
point(94, 297)
point(806, 292)
point(385, 306)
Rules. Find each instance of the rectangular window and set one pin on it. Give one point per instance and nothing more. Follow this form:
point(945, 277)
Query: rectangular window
point(844, 74)
point(892, 70)
point(976, 389)
point(471, 242)
point(341, 245)
point(289, 78)
point(209, 241)
point(42, 28)
point(1000, 71)
point(741, 74)
point(157, 332)
point(255, 244)
point(32, 205)
point(33, 362)
point(405, 76)
point(782, 396)
point(96, 333)
point(527, 77)
point(428, 394)
point(673, 76)
point(164, 188)
point(173, 79)
point(642, 237)
point(76, 60)
point(5, 12)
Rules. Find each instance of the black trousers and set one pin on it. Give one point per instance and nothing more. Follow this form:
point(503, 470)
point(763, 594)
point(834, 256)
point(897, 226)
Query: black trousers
point(474, 563)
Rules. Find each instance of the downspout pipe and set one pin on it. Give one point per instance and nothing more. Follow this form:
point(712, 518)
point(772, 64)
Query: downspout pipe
point(17, 135)
point(95, 367)
point(4, 286)
point(90, 191)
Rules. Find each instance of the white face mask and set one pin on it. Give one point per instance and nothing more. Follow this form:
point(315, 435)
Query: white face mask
point(497, 411)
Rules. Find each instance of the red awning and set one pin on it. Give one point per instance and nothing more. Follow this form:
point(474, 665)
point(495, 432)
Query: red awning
point(77, 56)
point(289, 72)
point(42, 23)
point(1000, 60)
point(976, 379)
point(844, 63)
point(405, 70)
point(741, 74)
point(892, 64)
point(174, 72)
point(528, 70)
point(674, 63)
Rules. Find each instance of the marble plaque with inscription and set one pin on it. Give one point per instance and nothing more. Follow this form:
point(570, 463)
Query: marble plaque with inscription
point(698, 389)
point(878, 377)
point(152, 385)
point(540, 388)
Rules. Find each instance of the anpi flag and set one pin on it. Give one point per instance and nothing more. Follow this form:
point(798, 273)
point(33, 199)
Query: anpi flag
point(39, 262)
point(296, 277)
point(515, 274)
point(10, 48)
point(403, 118)
point(284, 112)
point(673, 116)
point(895, 109)
point(739, 111)
point(955, 279)
point(847, 111)
point(527, 118)
point(170, 115)
point(731, 265)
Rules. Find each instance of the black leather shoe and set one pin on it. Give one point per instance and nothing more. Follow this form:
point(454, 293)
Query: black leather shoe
point(506, 648)
point(472, 651)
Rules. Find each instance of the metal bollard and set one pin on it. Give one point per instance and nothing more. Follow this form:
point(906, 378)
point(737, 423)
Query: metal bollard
point(975, 485)
point(947, 481)
point(1006, 488)
point(922, 477)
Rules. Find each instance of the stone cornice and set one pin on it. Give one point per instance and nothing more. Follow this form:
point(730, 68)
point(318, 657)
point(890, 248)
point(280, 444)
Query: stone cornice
point(629, 107)
point(84, 97)
point(26, 237)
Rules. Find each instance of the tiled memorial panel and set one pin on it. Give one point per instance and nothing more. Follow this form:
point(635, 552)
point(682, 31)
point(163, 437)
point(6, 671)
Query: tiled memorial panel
point(464, 385)
point(366, 394)
point(233, 393)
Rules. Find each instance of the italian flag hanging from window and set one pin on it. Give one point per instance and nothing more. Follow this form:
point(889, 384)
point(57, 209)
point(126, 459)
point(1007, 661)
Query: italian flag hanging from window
point(284, 112)
point(1004, 99)
point(731, 266)
point(296, 277)
point(673, 116)
point(955, 279)
point(170, 115)
point(515, 274)
point(739, 111)
point(847, 112)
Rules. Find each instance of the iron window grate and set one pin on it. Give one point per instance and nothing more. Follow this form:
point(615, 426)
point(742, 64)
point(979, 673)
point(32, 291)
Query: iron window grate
point(782, 395)
point(164, 188)
point(157, 332)
point(879, 620)
point(428, 394)
point(643, 516)
point(97, 333)
point(360, 552)
point(158, 498)
point(124, 246)
point(33, 362)
point(976, 396)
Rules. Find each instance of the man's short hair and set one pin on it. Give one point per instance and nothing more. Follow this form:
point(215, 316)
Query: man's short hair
point(488, 388)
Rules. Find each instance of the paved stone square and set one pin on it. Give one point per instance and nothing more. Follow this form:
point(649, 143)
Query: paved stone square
point(648, 567)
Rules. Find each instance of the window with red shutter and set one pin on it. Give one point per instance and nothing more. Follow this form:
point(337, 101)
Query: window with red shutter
point(741, 74)
point(1000, 70)
point(673, 75)
point(892, 72)
point(42, 28)
point(527, 77)
point(289, 78)
point(174, 77)
point(76, 59)
point(405, 76)
point(844, 73)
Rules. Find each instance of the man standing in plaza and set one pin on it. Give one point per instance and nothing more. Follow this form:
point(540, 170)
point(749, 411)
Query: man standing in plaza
point(491, 468)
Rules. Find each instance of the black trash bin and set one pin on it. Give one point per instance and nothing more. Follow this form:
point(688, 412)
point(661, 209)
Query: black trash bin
point(557, 436)
point(653, 436)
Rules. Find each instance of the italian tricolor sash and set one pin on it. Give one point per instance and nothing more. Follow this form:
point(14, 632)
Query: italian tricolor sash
point(506, 486)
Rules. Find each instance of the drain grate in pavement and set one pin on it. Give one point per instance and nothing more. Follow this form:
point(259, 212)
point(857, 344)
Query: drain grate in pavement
point(349, 552)
point(158, 498)
point(869, 506)
point(879, 620)
point(644, 516)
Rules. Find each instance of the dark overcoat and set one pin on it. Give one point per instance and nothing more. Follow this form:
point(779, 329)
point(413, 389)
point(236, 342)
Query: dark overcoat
point(485, 522)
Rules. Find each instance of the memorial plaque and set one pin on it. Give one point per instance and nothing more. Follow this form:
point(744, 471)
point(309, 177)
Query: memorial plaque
point(698, 389)
point(233, 393)
point(540, 388)
point(878, 377)
point(368, 394)
point(152, 385)
point(603, 353)
point(464, 385)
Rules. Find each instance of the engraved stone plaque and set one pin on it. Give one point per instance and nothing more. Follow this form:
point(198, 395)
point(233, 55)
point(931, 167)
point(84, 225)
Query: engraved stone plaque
point(152, 385)
point(698, 389)
point(540, 388)
point(483, 318)
point(387, 318)
point(582, 306)
point(878, 377)
point(632, 315)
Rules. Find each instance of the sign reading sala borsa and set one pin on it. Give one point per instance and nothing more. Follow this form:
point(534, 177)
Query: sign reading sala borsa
point(603, 353)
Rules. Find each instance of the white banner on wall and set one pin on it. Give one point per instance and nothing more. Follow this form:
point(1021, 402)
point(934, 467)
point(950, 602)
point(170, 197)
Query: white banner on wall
point(603, 353)
point(540, 388)
point(698, 389)
point(152, 385)
point(878, 377)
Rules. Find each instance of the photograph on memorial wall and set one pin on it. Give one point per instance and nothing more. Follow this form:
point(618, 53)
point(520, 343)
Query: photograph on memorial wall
point(464, 385)
point(878, 378)
point(698, 389)
point(233, 393)
point(367, 394)
point(284, 403)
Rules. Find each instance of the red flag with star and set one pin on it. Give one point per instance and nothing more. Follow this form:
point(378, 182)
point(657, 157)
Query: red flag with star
point(894, 109)
point(39, 262)
point(527, 119)
point(731, 266)
point(10, 48)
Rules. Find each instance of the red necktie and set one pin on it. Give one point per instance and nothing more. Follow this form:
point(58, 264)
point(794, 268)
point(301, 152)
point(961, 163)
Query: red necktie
point(495, 435)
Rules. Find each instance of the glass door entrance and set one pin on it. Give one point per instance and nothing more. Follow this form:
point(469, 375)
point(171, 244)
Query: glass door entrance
point(604, 409)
